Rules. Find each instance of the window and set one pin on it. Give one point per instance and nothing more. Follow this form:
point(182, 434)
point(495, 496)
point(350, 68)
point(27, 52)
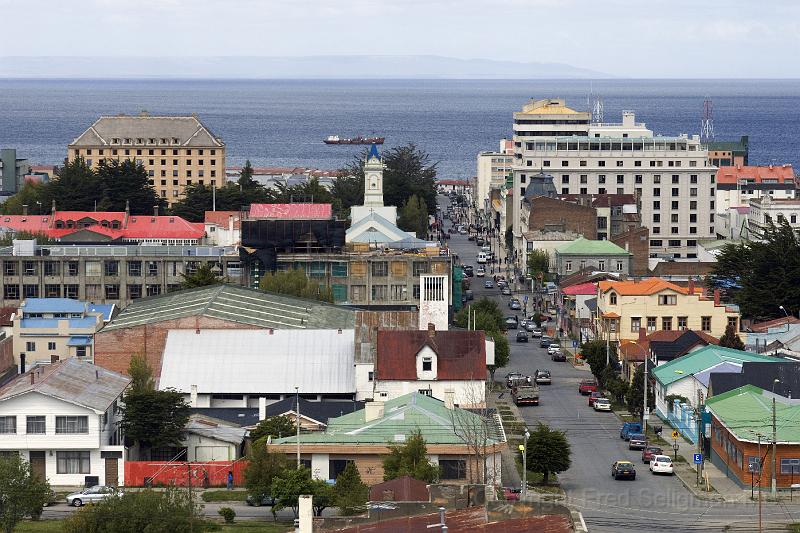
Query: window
point(657, 178)
point(568, 266)
point(415, 291)
point(682, 322)
point(637, 179)
point(656, 217)
point(134, 268)
point(612, 298)
point(565, 178)
point(93, 268)
point(601, 163)
point(8, 424)
point(656, 205)
point(619, 266)
point(601, 178)
point(30, 346)
point(72, 463)
point(790, 466)
point(134, 292)
point(71, 291)
point(380, 269)
point(10, 268)
point(51, 268)
point(636, 323)
point(112, 292)
point(29, 268)
point(651, 324)
point(545, 163)
point(72, 424)
point(420, 267)
point(399, 292)
point(667, 299)
point(564, 163)
point(656, 243)
point(453, 468)
point(336, 467)
point(601, 265)
point(705, 323)
point(35, 425)
point(379, 292)
point(30, 291)
point(427, 364)
point(620, 178)
point(51, 345)
point(675, 178)
point(619, 163)
point(666, 323)
point(584, 178)
point(656, 191)
point(693, 191)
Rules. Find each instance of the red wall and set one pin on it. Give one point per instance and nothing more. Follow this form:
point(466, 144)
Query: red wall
point(164, 473)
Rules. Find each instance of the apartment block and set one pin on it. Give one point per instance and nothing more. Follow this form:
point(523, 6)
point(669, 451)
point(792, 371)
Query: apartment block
point(175, 151)
point(493, 168)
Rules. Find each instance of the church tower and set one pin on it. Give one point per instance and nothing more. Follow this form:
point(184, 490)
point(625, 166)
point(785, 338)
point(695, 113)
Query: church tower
point(373, 179)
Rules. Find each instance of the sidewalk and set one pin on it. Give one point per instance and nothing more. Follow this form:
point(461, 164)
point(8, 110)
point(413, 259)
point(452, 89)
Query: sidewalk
point(510, 475)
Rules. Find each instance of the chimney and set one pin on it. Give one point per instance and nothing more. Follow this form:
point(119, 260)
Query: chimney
point(372, 411)
point(24, 209)
point(193, 396)
point(197, 325)
point(230, 226)
point(262, 408)
point(22, 363)
point(449, 399)
point(642, 334)
point(155, 210)
point(691, 286)
point(53, 207)
point(53, 359)
point(431, 330)
point(305, 514)
point(127, 208)
point(96, 375)
point(31, 378)
point(716, 296)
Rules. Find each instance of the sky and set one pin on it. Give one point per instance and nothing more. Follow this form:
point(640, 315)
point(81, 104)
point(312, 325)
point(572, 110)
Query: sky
point(625, 38)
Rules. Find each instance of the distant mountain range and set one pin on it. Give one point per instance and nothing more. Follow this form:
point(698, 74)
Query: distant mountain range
point(310, 67)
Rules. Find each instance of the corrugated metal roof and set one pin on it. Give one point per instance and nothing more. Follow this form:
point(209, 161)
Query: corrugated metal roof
point(215, 431)
point(748, 411)
point(52, 305)
point(79, 340)
point(72, 381)
point(292, 211)
point(236, 304)
point(702, 359)
point(77, 323)
point(257, 361)
point(460, 355)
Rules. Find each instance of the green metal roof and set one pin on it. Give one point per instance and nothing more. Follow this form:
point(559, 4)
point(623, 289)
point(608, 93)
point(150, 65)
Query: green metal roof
point(582, 246)
point(236, 304)
point(747, 412)
point(401, 417)
point(703, 359)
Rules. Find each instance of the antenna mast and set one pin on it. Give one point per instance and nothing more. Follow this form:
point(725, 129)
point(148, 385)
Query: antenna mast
point(707, 125)
point(595, 104)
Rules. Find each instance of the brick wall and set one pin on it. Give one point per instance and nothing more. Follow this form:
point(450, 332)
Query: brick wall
point(558, 215)
point(6, 354)
point(637, 242)
point(113, 349)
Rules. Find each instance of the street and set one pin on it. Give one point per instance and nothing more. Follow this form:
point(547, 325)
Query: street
point(648, 503)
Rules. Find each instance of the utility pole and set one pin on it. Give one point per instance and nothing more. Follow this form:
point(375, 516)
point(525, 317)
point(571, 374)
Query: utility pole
point(644, 402)
point(774, 488)
point(525, 465)
point(189, 489)
point(699, 416)
point(297, 399)
point(760, 469)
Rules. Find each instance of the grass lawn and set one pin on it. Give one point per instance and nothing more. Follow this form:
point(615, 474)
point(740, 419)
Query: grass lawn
point(224, 495)
point(39, 526)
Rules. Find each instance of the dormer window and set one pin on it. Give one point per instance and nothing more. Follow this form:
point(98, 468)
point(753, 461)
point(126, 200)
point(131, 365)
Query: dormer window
point(613, 298)
point(427, 364)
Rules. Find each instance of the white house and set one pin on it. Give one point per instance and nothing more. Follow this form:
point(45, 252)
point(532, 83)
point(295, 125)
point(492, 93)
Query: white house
point(63, 419)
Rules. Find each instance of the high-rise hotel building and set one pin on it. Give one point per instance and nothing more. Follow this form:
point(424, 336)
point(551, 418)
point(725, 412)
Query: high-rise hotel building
point(671, 176)
point(175, 151)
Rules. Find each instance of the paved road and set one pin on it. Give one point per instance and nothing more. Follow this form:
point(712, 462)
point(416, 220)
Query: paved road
point(650, 503)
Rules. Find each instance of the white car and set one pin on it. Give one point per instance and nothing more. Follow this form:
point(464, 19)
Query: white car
point(601, 404)
point(660, 464)
point(553, 348)
point(480, 272)
point(92, 495)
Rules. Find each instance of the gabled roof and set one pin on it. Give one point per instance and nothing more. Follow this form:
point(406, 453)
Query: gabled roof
point(762, 375)
point(703, 359)
point(258, 361)
point(732, 175)
point(460, 355)
point(402, 489)
point(221, 218)
point(401, 417)
point(582, 246)
point(188, 130)
point(70, 380)
point(211, 430)
point(680, 343)
point(375, 228)
point(235, 304)
point(373, 152)
point(747, 412)
point(765, 326)
point(291, 211)
point(725, 367)
point(644, 287)
point(582, 289)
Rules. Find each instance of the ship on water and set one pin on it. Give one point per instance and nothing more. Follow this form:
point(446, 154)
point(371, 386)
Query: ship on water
point(335, 139)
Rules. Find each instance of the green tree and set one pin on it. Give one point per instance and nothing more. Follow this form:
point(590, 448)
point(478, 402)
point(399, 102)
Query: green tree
point(410, 459)
point(262, 469)
point(730, 339)
point(296, 283)
point(126, 183)
point(246, 180)
point(154, 418)
point(539, 265)
point(289, 485)
point(76, 187)
point(273, 426)
point(141, 374)
point(349, 191)
point(22, 493)
point(197, 199)
point(635, 396)
point(548, 451)
point(594, 353)
point(323, 494)
point(204, 276)
point(501, 353)
point(31, 194)
point(351, 494)
point(488, 316)
point(8, 238)
point(414, 217)
point(163, 511)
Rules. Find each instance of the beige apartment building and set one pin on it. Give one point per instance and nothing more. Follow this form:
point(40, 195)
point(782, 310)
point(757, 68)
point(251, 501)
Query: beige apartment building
point(175, 151)
point(493, 168)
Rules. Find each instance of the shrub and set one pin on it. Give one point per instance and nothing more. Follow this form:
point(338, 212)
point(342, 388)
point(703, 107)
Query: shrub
point(228, 514)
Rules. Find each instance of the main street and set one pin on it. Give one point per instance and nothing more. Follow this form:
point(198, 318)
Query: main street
point(649, 503)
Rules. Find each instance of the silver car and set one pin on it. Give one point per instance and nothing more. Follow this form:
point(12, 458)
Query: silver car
point(92, 495)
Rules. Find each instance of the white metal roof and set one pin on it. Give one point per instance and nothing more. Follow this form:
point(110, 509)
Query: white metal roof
point(255, 361)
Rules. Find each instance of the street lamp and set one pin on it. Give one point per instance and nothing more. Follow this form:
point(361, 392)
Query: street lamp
point(524, 449)
point(782, 308)
point(774, 485)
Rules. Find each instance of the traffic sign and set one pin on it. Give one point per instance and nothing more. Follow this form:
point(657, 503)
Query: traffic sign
point(525, 298)
point(674, 434)
point(574, 344)
point(698, 458)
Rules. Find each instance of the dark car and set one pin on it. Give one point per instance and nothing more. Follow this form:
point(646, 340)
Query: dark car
point(479, 241)
point(545, 341)
point(543, 377)
point(264, 499)
point(514, 304)
point(649, 452)
point(623, 470)
point(468, 293)
point(637, 441)
point(558, 357)
point(522, 336)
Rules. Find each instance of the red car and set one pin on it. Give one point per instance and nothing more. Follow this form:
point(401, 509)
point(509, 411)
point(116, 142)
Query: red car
point(511, 494)
point(649, 452)
point(587, 387)
point(593, 396)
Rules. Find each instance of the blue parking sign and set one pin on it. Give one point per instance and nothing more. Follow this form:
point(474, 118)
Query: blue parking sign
point(574, 344)
point(698, 458)
point(525, 299)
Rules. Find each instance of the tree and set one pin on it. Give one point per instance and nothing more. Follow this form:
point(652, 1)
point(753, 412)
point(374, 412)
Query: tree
point(324, 495)
point(126, 183)
point(22, 493)
point(163, 511)
point(296, 283)
point(204, 276)
point(594, 353)
point(8, 238)
point(197, 199)
point(730, 339)
point(414, 217)
point(635, 395)
point(350, 493)
point(246, 180)
point(501, 352)
point(76, 187)
point(475, 428)
point(273, 426)
point(289, 485)
point(262, 469)
point(539, 264)
point(410, 459)
point(548, 451)
point(349, 191)
point(154, 418)
point(488, 316)
point(31, 194)
point(141, 374)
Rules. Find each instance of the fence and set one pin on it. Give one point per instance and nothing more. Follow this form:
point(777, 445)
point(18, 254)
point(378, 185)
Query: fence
point(162, 473)
point(682, 417)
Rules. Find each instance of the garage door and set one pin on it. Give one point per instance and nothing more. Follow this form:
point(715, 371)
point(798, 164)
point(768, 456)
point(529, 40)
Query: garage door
point(211, 453)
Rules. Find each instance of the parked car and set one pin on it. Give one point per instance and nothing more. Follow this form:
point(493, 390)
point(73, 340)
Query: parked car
point(462, 230)
point(629, 428)
point(649, 452)
point(661, 464)
point(542, 377)
point(471, 238)
point(514, 379)
point(522, 336)
point(511, 494)
point(558, 357)
point(468, 293)
point(480, 272)
point(514, 304)
point(623, 470)
point(593, 396)
point(506, 291)
point(92, 495)
point(602, 404)
point(637, 441)
point(479, 241)
point(511, 322)
point(545, 341)
point(488, 284)
point(588, 386)
point(553, 348)
point(264, 499)
point(535, 330)
point(525, 394)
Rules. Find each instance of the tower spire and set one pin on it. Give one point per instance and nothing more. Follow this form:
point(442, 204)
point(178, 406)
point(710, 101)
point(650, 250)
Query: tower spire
point(373, 179)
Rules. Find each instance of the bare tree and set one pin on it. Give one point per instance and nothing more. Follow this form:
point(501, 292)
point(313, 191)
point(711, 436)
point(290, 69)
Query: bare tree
point(475, 427)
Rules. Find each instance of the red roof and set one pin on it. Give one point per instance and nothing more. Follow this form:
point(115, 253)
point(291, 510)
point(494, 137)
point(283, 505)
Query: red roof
point(221, 218)
point(584, 289)
point(401, 489)
point(292, 211)
point(763, 327)
point(461, 355)
point(732, 175)
point(163, 227)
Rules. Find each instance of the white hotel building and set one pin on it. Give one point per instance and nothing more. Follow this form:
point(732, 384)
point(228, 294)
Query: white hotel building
point(671, 176)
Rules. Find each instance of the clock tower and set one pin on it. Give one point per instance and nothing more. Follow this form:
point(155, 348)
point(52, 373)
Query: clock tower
point(373, 179)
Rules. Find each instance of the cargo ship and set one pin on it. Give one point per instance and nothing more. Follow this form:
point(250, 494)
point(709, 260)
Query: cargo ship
point(335, 139)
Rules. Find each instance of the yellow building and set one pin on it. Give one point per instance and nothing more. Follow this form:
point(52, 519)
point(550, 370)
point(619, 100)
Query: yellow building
point(657, 305)
point(175, 151)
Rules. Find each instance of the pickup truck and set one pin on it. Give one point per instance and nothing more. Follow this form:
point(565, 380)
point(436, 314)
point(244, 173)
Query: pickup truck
point(525, 395)
point(630, 428)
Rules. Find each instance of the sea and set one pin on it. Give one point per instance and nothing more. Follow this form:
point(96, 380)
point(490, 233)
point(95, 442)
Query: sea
point(283, 122)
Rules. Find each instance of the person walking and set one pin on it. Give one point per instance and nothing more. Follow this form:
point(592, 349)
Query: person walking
point(230, 479)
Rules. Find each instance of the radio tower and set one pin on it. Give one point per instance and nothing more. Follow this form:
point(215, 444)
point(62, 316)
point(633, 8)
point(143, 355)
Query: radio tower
point(707, 126)
point(595, 105)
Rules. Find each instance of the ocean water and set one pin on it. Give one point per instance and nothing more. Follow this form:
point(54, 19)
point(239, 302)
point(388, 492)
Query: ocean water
point(283, 123)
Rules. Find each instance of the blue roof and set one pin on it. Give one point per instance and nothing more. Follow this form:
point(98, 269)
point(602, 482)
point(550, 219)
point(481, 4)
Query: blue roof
point(105, 309)
point(88, 322)
point(373, 152)
point(79, 340)
point(53, 305)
